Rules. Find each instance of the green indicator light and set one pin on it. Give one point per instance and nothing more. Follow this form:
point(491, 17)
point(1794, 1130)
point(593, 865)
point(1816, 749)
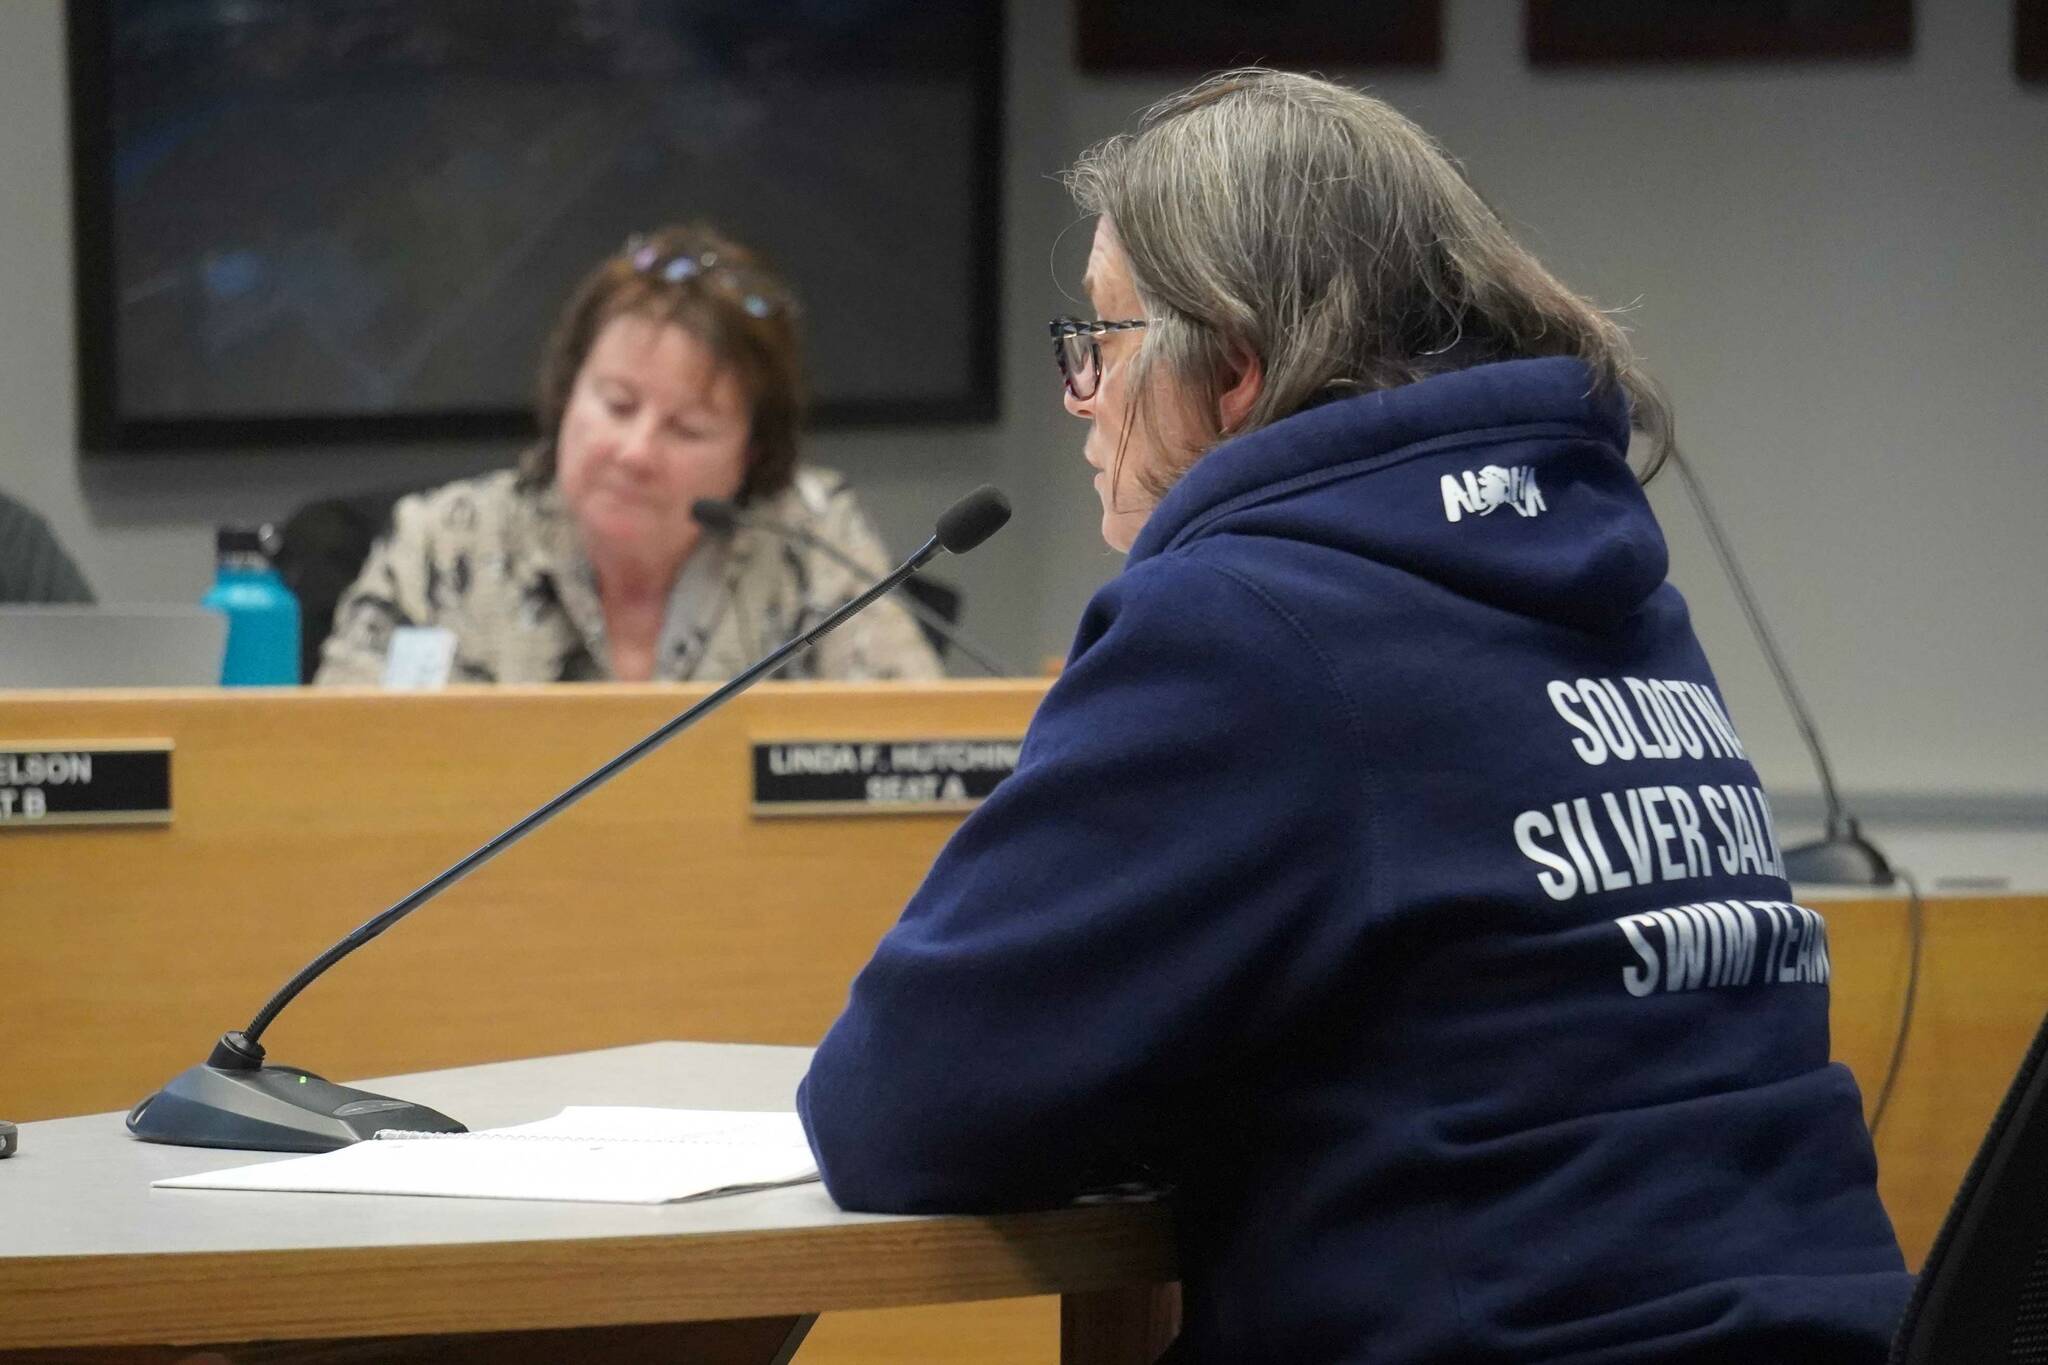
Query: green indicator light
point(302, 1080)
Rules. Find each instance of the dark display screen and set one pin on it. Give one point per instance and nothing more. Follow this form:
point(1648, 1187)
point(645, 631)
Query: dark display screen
point(322, 219)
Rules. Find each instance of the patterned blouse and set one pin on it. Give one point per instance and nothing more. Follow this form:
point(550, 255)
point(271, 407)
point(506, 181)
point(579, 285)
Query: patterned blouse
point(500, 567)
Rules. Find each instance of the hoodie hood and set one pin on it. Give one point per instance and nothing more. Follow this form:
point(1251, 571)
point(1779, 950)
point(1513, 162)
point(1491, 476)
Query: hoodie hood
point(1505, 483)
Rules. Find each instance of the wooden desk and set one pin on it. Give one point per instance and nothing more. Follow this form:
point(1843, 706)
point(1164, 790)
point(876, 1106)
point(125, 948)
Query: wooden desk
point(92, 1257)
point(1983, 989)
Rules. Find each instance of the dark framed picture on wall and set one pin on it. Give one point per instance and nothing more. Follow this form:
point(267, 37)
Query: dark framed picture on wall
point(1606, 32)
point(1210, 35)
point(2030, 40)
point(299, 223)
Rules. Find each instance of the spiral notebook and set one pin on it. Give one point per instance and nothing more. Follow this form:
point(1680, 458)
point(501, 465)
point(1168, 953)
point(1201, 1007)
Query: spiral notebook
point(585, 1154)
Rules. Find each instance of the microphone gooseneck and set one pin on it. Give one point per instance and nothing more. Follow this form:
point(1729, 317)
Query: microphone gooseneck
point(1842, 855)
point(236, 1101)
point(984, 504)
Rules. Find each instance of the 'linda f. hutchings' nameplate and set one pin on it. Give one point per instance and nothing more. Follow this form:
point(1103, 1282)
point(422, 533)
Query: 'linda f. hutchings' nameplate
point(100, 782)
point(878, 776)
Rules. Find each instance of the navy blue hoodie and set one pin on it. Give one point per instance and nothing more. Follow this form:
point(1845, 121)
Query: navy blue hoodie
point(1384, 873)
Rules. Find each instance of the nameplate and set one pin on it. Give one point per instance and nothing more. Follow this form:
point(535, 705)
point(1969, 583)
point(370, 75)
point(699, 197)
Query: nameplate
point(878, 776)
point(97, 782)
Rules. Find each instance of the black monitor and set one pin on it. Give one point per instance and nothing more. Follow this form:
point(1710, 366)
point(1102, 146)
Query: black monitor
point(357, 219)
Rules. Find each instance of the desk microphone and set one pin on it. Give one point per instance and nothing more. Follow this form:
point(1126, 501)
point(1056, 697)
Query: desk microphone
point(234, 1100)
point(1841, 856)
point(717, 514)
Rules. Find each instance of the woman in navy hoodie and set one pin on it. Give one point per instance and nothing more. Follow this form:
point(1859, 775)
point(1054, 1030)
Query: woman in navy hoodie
point(1384, 872)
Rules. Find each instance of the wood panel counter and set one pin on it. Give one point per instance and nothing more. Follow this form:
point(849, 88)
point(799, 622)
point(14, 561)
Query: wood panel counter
point(659, 907)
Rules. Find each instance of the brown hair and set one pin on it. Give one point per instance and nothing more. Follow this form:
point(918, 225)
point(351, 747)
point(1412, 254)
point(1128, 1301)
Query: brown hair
point(1319, 229)
point(719, 292)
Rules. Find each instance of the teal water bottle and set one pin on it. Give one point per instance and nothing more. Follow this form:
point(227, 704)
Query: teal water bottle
point(263, 616)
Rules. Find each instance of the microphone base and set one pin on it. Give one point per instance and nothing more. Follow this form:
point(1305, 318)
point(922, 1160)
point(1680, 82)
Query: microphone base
point(272, 1109)
point(1838, 860)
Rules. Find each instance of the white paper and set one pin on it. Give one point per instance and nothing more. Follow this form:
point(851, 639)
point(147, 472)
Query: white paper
point(590, 1154)
point(419, 658)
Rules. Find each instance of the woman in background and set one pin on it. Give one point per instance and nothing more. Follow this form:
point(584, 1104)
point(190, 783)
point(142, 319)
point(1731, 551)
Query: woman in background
point(672, 376)
point(1383, 872)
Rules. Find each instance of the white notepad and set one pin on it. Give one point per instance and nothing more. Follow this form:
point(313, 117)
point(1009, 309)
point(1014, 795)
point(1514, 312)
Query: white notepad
point(589, 1154)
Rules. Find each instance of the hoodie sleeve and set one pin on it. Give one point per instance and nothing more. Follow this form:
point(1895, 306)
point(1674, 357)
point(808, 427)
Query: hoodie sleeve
point(1132, 911)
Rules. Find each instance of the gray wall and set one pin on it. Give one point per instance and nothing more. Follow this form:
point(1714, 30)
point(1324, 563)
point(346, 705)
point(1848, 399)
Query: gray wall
point(1839, 271)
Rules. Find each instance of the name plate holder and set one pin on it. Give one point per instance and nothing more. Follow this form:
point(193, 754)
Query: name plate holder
point(878, 776)
point(52, 783)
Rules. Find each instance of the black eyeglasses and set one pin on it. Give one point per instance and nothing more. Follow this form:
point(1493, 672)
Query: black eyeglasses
point(755, 295)
point(1079, 353)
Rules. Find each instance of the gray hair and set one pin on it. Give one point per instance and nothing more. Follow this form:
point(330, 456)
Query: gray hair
point(1320, 230)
